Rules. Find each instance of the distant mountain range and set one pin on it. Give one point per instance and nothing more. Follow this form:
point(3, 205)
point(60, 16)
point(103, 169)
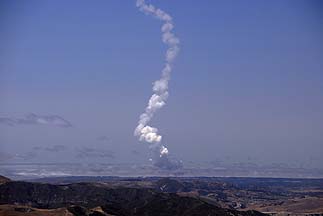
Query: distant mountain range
point(24, 171)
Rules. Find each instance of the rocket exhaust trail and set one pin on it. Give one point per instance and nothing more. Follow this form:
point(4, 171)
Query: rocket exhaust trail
point(160, 87)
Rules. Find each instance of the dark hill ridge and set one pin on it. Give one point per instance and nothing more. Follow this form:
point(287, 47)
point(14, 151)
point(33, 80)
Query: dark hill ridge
point(123, 201)
point(4, 179)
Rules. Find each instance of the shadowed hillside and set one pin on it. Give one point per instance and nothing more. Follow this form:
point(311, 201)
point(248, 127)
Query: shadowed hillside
point(81, 198)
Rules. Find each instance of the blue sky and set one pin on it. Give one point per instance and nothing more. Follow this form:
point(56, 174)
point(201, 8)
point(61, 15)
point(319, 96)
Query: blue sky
point(247, 84)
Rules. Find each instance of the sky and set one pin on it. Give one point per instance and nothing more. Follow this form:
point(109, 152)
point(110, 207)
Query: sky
point(246, 86)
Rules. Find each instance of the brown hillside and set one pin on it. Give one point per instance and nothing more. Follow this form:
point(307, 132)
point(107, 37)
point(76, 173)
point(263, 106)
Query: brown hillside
point(4, 179)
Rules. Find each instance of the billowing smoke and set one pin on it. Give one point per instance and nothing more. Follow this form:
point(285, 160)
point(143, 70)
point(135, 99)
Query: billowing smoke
point(160, 87)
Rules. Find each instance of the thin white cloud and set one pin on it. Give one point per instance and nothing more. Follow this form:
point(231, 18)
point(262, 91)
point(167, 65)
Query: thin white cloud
point(103, 138)
point(54, 148)
point(87, 152)
point(34, 119)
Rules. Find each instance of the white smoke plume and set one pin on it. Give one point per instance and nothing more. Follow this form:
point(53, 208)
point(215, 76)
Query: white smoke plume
point(160, 87)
